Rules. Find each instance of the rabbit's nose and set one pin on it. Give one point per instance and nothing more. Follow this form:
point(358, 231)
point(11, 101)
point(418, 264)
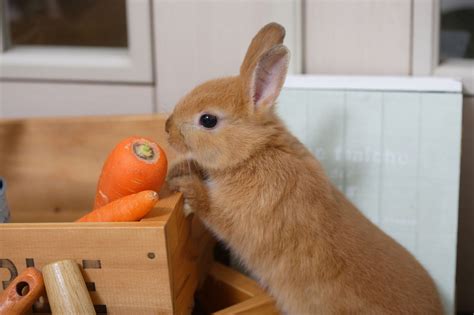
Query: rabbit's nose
point(168, 124)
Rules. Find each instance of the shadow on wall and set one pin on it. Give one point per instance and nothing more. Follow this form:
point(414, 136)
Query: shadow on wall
point(465, 259)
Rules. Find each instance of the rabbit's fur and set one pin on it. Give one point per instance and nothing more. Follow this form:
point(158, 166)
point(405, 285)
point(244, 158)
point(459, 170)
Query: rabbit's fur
point(266, 196)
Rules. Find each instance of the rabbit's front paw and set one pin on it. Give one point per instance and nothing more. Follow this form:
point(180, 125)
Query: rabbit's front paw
point(194, 192)
point(186, 168)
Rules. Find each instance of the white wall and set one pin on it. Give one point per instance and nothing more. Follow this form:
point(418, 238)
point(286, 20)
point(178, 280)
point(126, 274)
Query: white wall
point(39, 99)
point(199, 40)
point(357, 37)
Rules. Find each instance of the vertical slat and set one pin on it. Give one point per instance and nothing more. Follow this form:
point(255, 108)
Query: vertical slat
point(399, 160)
point(189, 247)
point(325, 131)
point(363, 134)
point(425, 36)
point(201, 40)
point(291, 107)
point(440, 150)
point(358, 36)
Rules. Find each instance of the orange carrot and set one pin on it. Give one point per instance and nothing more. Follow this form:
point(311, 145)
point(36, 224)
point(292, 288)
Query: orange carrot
point(129, 208)
point(134, 165)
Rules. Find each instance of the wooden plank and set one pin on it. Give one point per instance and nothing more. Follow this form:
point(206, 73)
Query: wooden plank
point(167, 203)
point(353, 45)
point(37, 99)
point(237, 281)
point(52, 165)
point(126, 263)
point(227, 291)
point(258, 305)
point(225, 287)
point(189, 247)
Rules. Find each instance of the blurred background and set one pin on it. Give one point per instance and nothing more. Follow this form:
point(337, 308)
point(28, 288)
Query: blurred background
point(104, 57)
point(141, 56)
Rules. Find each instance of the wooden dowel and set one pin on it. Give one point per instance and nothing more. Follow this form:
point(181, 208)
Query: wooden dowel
point(66, 289)
point(22, 292)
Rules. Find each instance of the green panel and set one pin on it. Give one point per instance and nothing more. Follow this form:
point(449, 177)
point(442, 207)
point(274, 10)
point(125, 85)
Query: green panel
point(291, 107)
point(440, 153)
point(325, 131)
point(397, 157)
point(399, 161)
point(362, 141)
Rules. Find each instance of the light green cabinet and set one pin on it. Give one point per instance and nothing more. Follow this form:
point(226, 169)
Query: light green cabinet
point(393, 147)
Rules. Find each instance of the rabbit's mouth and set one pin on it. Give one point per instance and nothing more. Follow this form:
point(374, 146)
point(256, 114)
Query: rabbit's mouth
point(177, 145)
point(175, 138)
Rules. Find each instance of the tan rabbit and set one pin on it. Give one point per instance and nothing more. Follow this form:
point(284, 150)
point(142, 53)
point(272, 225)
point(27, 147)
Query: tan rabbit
point(265, 195)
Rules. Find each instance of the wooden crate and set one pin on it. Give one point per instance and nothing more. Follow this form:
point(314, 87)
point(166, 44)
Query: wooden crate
point(228, 292)
point(52, 167)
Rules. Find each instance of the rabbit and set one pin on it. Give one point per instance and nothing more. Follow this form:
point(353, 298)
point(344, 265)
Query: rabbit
point(261, 192)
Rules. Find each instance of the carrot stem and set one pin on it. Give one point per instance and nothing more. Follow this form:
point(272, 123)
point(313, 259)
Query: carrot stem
point(144, 151)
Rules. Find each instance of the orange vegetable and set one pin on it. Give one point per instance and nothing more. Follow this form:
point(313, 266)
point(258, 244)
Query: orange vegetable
point(134, 165)
point(129, 208)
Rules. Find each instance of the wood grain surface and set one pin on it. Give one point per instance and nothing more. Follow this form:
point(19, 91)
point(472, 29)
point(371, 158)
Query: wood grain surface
point(52, 165)
point(66, 289)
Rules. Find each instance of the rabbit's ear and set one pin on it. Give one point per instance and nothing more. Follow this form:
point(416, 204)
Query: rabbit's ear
point(270, 35)
point(266, 81)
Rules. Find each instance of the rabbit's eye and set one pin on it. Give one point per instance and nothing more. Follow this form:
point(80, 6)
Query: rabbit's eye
point(208, 121)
